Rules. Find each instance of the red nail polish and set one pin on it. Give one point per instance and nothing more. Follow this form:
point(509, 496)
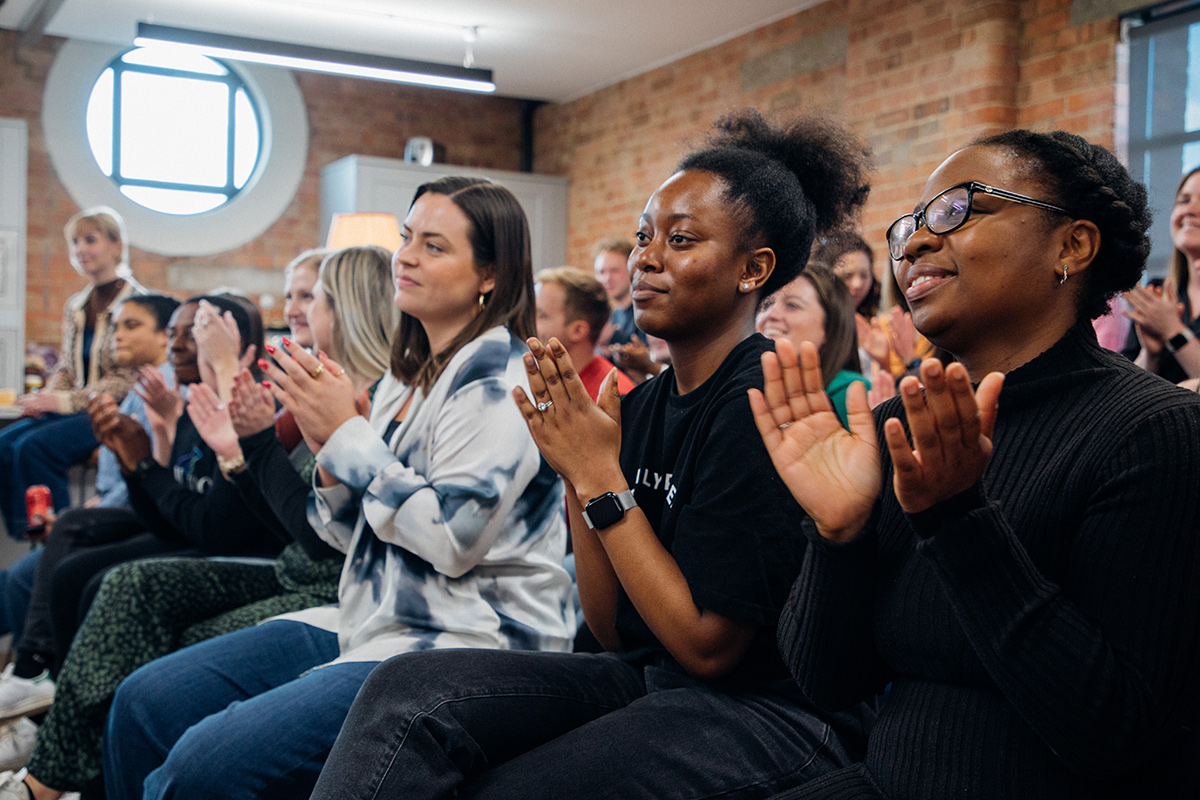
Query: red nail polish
point(269, 349)
point(267, 384)
point(262, 364)
point(285, 341)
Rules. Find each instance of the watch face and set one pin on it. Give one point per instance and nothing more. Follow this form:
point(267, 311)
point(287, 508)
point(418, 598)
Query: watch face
point(603, 511)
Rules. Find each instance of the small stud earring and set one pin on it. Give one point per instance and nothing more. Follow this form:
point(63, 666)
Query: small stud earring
point(745, 287)
point(1063, 279)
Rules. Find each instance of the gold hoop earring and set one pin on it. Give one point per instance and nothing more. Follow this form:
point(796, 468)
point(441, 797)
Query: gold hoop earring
point(482, 301)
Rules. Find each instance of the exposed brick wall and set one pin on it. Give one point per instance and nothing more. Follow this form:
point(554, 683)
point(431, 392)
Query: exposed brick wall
point(915, 78)
point(345, 117)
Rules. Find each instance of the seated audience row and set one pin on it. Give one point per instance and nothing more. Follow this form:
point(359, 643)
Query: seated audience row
point(980, 590)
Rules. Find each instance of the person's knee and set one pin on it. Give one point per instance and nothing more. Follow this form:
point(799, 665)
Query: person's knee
point(189, 772)
point(137, 702)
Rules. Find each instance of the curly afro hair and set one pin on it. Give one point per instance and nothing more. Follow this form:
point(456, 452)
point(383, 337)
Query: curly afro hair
point(788, 183)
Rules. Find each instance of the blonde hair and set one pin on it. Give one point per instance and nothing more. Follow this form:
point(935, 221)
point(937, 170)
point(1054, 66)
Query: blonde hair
point(108, 222)
point(357, 283)
point(613, 244)
point(310, 259)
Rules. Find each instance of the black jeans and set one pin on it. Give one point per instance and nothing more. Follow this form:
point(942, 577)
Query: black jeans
point(82, 546)
point(505, 724)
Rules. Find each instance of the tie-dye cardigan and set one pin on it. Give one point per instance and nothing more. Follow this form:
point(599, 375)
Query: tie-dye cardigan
point(453, 530)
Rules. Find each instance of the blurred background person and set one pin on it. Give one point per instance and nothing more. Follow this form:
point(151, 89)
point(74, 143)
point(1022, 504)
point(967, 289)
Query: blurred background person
point(611, 264)
point(817, 307)
point(54, 433)
point(1165, 321)
point(573, 306)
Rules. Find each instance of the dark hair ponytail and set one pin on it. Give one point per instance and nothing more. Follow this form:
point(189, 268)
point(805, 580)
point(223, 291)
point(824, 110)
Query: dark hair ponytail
point(789, 183)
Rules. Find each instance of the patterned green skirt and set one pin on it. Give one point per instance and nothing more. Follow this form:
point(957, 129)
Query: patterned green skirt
point(145, 610)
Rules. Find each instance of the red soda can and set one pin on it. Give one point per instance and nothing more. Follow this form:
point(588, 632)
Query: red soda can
point(38, 503)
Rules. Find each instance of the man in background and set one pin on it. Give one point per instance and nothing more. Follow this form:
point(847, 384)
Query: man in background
point(611, 264)
point(573, 306)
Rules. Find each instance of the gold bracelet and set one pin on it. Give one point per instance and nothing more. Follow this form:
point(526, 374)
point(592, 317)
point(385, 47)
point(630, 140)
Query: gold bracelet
point(231, 465)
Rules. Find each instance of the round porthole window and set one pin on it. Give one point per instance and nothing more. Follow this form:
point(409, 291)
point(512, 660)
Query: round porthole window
point(177, 132)
point(199, 155)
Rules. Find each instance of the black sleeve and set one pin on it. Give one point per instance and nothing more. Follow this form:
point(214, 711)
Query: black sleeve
point(825, 631)
point(1103, 667)
point(218, 521)
point(270, 475)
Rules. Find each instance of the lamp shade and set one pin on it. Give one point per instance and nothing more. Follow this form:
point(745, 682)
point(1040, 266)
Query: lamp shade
point(355, 230)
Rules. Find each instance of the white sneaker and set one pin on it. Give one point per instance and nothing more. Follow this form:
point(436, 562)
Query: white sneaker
point(21, 697)
point(12, 786)
point(17, 740)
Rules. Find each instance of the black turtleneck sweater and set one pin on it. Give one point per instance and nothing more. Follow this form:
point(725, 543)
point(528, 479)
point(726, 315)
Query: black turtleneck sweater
point(1041, 631)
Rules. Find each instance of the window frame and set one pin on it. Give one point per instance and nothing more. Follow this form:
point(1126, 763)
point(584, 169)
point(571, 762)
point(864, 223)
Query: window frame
point(1145, 61)
point(271, 188)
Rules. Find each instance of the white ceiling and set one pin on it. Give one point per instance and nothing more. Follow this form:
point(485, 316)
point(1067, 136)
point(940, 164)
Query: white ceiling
point(554, 50)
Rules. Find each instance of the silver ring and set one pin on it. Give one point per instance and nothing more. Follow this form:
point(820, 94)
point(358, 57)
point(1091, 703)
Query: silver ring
point(783, 425)
point(220, 406)
point(545, 405)
point(204, 324)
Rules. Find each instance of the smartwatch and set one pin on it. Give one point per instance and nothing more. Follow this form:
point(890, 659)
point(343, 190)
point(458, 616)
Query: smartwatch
point(1180, 339)
point(608, 509)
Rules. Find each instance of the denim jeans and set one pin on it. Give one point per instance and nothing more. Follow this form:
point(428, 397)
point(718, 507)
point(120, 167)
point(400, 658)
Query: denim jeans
point(239, 716)
point(40, 450)
point(16, 587)
point(504, 724)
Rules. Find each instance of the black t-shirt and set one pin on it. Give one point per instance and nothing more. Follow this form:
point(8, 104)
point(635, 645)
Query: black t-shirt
point(703, 478)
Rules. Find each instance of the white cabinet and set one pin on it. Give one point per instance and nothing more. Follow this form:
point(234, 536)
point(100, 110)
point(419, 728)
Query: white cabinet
point(13, 144)
point(366, 183)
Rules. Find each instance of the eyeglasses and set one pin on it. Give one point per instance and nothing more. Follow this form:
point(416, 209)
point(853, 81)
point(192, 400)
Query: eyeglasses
point(949, 211)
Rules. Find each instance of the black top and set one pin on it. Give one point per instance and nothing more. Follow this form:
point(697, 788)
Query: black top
point(271, 476)
point(192, 504)
point(702, 476)
point(1041, 631)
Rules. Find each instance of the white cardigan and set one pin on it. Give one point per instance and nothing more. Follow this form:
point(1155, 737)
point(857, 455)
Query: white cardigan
point(453, 530)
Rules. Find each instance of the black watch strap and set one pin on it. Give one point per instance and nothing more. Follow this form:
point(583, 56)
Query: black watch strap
point(1180, 339)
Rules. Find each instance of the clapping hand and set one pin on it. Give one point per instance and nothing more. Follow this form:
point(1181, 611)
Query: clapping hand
point(1156, 312)
point(580, 439)
point(118, 432)
point(951, 429)
point(211, 418)
point(314, 388)
point(251, 408)
point(164, 403)
point(833, 473)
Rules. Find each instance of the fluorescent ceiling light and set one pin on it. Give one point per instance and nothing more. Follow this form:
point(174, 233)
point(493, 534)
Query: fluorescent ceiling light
point(319, 59)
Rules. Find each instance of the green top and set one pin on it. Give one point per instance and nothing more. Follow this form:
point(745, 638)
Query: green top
point(837, 391)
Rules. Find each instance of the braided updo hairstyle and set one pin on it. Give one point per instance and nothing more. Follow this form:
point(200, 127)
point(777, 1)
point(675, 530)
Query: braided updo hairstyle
point(786, 183)
point(1091, 183)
